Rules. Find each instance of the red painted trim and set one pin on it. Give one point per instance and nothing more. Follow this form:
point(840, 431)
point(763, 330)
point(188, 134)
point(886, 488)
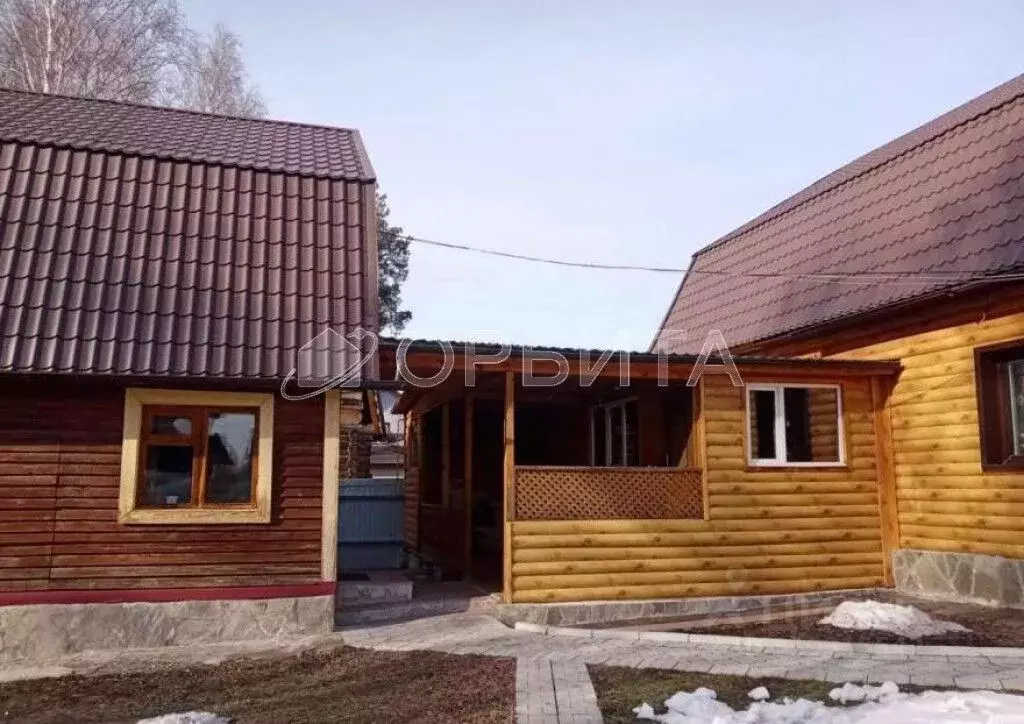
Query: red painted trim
point(166, 595)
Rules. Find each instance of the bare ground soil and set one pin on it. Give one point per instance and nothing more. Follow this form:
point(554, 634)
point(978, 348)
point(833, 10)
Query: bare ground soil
point(989, 626)
point(341, 685)
point(619, 690)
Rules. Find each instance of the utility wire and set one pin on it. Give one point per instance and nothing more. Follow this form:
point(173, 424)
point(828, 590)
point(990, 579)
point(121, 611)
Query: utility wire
point(541, 259)
point(877, 277)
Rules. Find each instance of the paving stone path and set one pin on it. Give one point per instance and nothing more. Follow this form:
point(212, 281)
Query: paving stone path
point(554, 691)
point(552, 684)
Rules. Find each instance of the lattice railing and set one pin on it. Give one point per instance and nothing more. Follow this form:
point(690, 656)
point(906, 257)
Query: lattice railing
point(577, 493)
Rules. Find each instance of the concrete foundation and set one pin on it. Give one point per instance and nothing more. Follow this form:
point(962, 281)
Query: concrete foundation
point(964, 577)
point(42, 632)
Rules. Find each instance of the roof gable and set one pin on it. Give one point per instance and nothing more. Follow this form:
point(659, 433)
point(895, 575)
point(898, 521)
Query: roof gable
point(136, 263)
point(941, 200)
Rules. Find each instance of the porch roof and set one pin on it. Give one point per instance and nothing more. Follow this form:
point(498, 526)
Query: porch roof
point(426, 357)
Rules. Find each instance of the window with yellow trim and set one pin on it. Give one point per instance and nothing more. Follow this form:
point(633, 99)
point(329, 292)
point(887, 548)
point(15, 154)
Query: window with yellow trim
point(196, 457)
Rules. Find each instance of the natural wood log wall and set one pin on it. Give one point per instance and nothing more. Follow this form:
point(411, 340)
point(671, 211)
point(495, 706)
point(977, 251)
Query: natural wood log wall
point(945, 501)
point(60, 448)
point(769, 530)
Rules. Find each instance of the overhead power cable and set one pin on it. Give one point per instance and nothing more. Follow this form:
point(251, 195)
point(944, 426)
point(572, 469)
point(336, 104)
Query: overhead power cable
point(874, 277)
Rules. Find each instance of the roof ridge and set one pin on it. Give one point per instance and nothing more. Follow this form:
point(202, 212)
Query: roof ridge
point(184, 111)
point(963, 114)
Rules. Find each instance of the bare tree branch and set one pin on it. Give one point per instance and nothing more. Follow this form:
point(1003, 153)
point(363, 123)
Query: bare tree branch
point(212, 76)
point(117, 49)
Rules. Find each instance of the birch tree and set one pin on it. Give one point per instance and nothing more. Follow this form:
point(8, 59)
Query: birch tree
point(113, 49)
point(212, 76)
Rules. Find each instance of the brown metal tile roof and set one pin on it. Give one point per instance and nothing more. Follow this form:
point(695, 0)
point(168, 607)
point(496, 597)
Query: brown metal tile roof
point(168, 133)
point(144, 241)
point(945, 199)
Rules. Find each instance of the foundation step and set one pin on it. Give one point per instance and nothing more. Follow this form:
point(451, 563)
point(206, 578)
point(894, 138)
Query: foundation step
point(428, 599)
point(384, 587)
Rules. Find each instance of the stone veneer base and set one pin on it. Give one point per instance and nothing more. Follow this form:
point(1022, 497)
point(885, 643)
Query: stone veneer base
point(959, 577)
point(611, 612)
point(45, 631)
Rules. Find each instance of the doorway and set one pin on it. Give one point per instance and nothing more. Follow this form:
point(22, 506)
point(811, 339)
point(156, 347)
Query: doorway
point(487, 513)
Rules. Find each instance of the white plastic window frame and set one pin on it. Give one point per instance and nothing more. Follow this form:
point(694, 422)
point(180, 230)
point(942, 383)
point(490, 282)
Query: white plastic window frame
point(781, 453)
point(607, 408)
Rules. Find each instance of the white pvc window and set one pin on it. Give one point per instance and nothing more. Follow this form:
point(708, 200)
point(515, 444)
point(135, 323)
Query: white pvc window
point(794, 425)
point(614, 436)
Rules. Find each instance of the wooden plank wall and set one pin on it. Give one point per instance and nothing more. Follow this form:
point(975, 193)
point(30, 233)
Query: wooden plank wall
point(60, 448)
point(412, 481)
point(769, 531)
point(945, 501)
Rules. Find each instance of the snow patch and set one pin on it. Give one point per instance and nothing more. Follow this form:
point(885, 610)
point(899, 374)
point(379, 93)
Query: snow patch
point(759, 694)
point(905, 621)
point(187, 717)
point(852, 694)
point(883, 704)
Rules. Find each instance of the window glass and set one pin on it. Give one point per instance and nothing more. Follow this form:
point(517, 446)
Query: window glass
point(798, 424)
point(822, 421)
point(615, 433)
point(1016, 371)
point(1000, 379)
point(808, 431)
point(812, 424)
point(632, 448)
point(231, 441)
point(762, 424)
point(167, 475)
point(616, 428)
point(170, 425)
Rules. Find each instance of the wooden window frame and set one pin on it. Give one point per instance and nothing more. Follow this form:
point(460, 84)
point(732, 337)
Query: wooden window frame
point(607, 408)
point(141, 404)
point(780, 461)
point(994, 425)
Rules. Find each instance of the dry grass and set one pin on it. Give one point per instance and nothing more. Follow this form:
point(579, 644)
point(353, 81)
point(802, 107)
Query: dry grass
point(342, 685)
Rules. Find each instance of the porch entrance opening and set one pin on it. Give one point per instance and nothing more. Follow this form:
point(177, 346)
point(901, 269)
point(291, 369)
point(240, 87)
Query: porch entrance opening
point(603, 451)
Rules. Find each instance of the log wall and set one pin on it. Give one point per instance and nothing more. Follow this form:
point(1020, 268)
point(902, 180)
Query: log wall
point(946, 502)
point(60, 450)
point(769, 530)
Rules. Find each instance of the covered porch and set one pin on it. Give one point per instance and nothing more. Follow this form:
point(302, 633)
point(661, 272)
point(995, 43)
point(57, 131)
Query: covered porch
point(632, 484)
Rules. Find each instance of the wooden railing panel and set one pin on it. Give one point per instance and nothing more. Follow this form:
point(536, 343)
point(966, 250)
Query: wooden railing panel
point(584, 493)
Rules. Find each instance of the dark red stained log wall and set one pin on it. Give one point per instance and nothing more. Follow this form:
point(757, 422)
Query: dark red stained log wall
point(60, 450)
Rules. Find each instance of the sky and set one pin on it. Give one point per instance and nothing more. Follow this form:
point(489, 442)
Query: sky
point(608, 132)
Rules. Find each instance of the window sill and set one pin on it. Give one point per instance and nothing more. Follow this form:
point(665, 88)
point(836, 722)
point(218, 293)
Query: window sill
point(1008, 468)
point(794, 468)
point(195, 516)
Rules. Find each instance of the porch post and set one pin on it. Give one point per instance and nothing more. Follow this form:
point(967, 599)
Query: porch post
point(330, 487)
point(509, 481)
point(699, 442)
point(887, 509)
